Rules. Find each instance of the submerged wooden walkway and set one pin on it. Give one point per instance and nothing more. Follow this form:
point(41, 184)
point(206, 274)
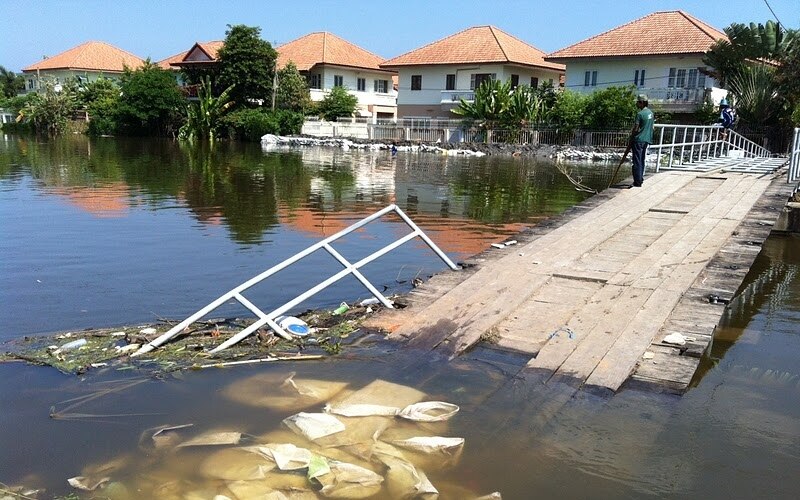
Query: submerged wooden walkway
point(591, 295)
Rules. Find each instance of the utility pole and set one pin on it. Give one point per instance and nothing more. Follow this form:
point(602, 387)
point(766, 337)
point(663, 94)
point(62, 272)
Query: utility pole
point(274, 87)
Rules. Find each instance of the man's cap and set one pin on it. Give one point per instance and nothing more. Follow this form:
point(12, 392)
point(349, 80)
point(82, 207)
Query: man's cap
point(641, 98)
point(723, 102)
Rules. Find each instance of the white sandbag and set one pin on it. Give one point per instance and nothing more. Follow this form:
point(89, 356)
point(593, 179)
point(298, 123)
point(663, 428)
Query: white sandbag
point(245, 490)
point(286, 456)
point(213, 439)
point(361, 410)
point(314, 425)
point(280, 391)
point(380, 393)
point(349, 481)
point(236, 464)
point(429, 411)
point(404, 481)
point(432, 444)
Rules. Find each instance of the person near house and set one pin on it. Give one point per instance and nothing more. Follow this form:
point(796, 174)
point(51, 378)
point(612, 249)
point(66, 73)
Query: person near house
point(727, 117)
point(641, 137)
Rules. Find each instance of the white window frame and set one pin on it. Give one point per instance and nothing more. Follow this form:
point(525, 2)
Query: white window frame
point(590, 78)
point(381, 86)
point(338, 80)
point(361, 84)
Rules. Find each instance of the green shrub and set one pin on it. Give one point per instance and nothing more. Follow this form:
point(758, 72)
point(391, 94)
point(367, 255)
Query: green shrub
point(251, 124)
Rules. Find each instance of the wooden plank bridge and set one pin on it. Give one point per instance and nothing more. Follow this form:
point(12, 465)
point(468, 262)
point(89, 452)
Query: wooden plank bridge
point(591, 295)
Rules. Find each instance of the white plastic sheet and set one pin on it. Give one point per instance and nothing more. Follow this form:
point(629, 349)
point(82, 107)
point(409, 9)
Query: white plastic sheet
point(314, 425)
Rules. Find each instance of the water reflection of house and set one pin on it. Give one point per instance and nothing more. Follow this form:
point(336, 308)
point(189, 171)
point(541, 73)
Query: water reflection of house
point(109, 200)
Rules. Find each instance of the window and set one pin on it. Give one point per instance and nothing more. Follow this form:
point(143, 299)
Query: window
point(686, 78)
point(638, 78)
point(416, 82)
point(534, 82)
point(475, 79)
point(338, 81)
point(314, 81)
point(381, 86)
point(361, 84)
point(550, 81)
point(31, 84)
point(589, 79)
point(450, 82)
point(514, 81)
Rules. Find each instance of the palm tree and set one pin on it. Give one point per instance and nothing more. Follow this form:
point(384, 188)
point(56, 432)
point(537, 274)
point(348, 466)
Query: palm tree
point(488, 105)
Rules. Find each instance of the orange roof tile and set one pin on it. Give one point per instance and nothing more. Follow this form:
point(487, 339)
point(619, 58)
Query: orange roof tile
point(166, 63)
point(479, 44)
point(92, 56)
point(669, 32)
point(326, 48)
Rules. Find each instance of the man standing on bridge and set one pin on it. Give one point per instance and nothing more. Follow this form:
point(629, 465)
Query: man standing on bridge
point(641, 137)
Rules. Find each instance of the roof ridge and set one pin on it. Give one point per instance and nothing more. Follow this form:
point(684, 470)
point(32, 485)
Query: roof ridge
point(359, 47)
point(502, 49)
point(117, 48)
point(431, 43)
point(701, 25)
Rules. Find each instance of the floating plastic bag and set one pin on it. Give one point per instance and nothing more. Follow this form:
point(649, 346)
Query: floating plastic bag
point(348, 481)
point(314, 425)
point(429, 411)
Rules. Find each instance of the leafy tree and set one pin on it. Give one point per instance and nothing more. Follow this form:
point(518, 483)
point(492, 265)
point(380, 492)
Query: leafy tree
point(11, 84)
point(49, 111)
point(151, 102)
point(100, 98)
point(338, 102)
point(610, 107)
point(293, 93)
point(203, 116)
point(247, 62)
point(569, 110)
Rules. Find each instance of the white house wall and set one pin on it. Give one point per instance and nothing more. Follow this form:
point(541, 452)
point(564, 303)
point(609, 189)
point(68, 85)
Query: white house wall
point(621, 72)
point(350, 76)
point(428, 101)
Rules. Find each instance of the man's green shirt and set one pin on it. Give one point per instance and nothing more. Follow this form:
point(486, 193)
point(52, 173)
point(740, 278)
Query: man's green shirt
point(644, 120)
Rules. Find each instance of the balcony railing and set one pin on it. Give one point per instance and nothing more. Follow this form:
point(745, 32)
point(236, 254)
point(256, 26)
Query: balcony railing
point(455, 96)
point(675, 95)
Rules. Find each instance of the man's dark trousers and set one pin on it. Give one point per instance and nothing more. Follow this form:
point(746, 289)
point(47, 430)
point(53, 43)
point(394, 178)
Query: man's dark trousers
point(639, 151)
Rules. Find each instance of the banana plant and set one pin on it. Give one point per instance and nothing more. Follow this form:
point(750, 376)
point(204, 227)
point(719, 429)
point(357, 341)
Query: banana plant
point(203, 116)
point(489, 104)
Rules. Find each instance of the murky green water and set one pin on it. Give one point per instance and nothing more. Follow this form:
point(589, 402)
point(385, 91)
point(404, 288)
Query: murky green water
point(96, 233)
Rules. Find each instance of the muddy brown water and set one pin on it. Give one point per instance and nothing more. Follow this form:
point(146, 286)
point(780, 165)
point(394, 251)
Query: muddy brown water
point(98, 233)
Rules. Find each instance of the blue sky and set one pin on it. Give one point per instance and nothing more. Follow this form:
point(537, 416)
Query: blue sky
point(160, 28)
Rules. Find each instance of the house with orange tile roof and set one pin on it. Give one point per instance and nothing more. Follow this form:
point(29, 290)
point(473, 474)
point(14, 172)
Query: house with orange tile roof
point(328, 61)
point(660, 54)
point(86, 62)
point(434, 78)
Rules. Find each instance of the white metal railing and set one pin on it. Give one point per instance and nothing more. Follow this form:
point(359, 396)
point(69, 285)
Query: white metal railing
point(794, 158)
point(687, 144)
point(674, 95)
point(349, 268)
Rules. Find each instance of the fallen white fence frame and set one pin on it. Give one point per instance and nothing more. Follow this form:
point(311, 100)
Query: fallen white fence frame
point(349, 268)
point(794, 158)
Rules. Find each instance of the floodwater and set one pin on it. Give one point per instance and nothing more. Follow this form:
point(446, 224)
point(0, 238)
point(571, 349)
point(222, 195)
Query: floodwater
point(109, 232)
